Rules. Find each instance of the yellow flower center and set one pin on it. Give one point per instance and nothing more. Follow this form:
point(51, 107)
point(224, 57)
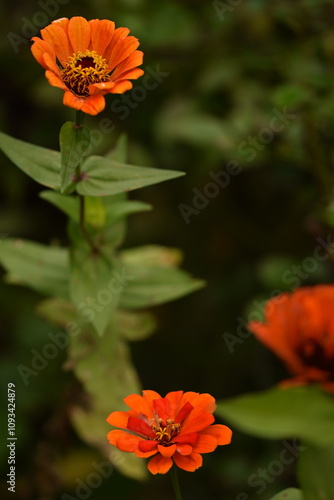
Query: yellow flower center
point(164, 432)
point(83, 69)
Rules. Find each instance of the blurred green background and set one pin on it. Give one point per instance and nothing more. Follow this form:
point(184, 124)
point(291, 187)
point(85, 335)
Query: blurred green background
point(227, 70)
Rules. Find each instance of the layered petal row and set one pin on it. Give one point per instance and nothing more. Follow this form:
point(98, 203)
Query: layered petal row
point(175, 429)
point(88, 59)
point(299, 328)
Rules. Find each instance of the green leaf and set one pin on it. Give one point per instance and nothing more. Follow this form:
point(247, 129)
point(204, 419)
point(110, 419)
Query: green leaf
point(119, 152)
point(306, 413)
point(103, 177)
point(74, 142)
point(154, 279)
point(99, 212)
point(134, 325)
point(130, 325)
point(315, 472)
point(41, 164)
point(120, 209)
point(153, 255)
point(95, 285)
point(104, 367)
point(95, 212)
point(67, 204)
point(42, 268)
point(289, 494)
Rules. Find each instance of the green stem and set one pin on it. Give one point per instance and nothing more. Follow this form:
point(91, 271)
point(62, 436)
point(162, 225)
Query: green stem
point(175, 482)
point(78, 121)
point(82, 224)
point(79, 118)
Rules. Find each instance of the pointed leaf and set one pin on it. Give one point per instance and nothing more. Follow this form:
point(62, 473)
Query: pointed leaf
point(289, 494)
point(134, 325)
point(41, 164)
point(67, 204)
point(104, 367)
point(74, 142)
point(315, 472)
point(121, 209)
point(296, 412)
point(155, 278)
point(42, 268)
point(102, 177)
point(119, 152)
point(95, 285)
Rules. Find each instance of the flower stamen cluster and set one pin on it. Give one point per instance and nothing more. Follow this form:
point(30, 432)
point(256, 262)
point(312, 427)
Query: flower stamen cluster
point(83, 69)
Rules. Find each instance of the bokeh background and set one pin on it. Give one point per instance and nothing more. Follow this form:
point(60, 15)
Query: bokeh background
point(228, 68)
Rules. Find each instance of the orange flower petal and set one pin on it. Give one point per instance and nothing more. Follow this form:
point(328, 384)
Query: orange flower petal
point(54, 80)
point(205, 444)
point(184, 412)
point(203, 402)
point(143, 454)
point(132, 74)
point(159, 464)
point(188, 462)
point(57, 38)
point(139, 426)
point(101, 88)
point(121, 87)
point(114, 435)
point(62, 23)
point(79, 33)
point(189, 438)
point(149, 396)
point(93, 105)
point(51, 65)
point(197, 422)
point(174, 402)
point(161, 408)
point(39, 48)
point(167, 451)
point(119, 33)
point(145, 445)
point(128, 442)
point(221, 433)
point(101, 34)
point(184, 449)
point(140, 405)
point(121, 50)
point(118, 419)
point(132, 61)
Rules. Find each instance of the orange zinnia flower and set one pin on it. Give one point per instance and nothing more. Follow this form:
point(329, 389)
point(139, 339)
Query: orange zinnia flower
point(95, 59)
point(299, 328)
point(176, 428)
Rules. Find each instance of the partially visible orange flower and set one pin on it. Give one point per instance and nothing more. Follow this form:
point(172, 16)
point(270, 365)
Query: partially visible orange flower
point(299, 328)
point(88, 59)
point(174, 429)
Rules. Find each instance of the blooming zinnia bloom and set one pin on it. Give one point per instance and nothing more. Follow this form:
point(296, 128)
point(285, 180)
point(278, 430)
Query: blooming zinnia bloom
point(299, 328)
point(174, 429)
point(88, 59)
